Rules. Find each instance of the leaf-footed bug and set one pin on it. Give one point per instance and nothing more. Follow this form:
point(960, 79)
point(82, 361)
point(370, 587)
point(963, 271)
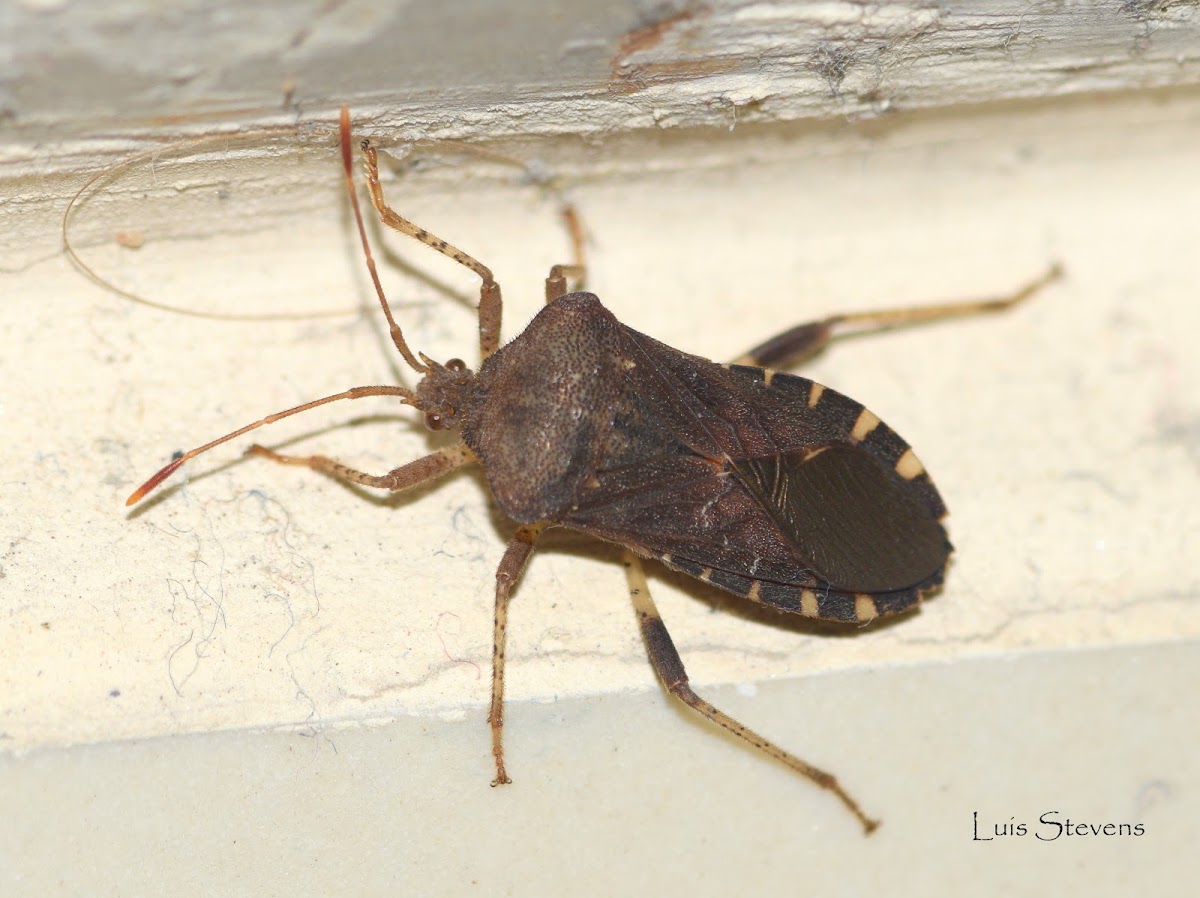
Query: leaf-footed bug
point(764, 484)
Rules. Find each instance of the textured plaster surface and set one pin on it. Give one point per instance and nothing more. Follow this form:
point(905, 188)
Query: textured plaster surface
point(252, 613)
point(1062, 434)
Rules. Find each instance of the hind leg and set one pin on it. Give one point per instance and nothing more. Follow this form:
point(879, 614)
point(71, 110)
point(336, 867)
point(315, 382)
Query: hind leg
point(807, 339)
point(669, 666)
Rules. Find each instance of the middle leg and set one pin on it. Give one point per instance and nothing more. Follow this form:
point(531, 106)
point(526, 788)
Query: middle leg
point(511, 565)
point(556, 282)
point(576, 269)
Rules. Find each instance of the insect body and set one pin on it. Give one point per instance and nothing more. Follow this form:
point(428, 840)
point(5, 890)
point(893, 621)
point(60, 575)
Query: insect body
point(764, 484)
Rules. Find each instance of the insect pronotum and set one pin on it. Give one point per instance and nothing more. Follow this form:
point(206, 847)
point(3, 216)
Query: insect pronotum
point(767, 485)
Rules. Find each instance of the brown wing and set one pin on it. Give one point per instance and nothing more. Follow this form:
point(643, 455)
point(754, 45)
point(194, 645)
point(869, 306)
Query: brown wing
point(760, 478)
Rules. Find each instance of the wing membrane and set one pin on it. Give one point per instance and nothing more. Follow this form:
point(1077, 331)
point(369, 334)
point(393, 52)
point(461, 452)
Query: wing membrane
point(757, 479)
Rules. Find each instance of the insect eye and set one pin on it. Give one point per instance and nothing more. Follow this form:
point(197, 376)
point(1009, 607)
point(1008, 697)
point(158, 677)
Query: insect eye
point(456, 365)
point(434, 421)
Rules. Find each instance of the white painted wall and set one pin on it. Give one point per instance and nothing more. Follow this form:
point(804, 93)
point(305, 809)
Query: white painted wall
point(740, 168)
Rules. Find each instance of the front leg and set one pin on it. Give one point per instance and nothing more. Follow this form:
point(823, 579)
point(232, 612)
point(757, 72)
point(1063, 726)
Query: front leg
point(430, 467)
point(490, 305)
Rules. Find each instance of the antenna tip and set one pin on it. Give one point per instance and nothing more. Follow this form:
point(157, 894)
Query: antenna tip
point(344, 140)
point(141, 492)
